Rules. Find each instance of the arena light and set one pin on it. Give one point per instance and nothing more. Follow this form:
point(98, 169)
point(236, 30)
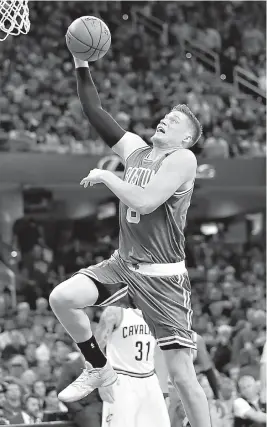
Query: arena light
point(256, 221)
point(209, 229)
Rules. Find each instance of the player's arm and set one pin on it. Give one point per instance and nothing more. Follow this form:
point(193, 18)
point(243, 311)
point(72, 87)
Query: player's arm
point(122, 143)
point(205, 363)
point(161, 370)
point(177, 169)
point(109, 321)
point(243, 410)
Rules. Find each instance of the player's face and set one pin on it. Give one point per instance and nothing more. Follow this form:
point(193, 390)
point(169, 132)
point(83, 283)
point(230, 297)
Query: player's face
point(173, 130)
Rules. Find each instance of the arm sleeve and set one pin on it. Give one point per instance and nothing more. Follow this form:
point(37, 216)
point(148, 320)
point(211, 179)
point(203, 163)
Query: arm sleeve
point(241, 407)
point(109, 130)
point(161, 370)
point(212, 382)
point(203, 357)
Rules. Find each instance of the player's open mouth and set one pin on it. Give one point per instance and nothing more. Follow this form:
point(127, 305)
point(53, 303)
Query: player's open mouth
point(160, 129)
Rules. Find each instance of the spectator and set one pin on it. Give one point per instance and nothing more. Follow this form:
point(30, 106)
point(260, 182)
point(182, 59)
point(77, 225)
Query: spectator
point(223, 353)
point(17, 366)
point(247, 339)
point(28, 378)
point(23, 317)
point(30, 354)
point(253, 40)
point(15, 346)
point(44, 371)
point(263, 373)
point(247, 406)
point(13, 403)
point(31, 414)
point(42, 307)
point(215, 145)
point(86, 412)
point(37, 120)
point(52, 405)
point(2, 395)
point(39, 389)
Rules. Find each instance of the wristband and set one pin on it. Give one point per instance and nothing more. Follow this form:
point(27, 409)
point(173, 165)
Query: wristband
point(80, 63)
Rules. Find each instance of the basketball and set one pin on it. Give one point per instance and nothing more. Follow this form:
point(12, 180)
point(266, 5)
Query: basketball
point(88, 38)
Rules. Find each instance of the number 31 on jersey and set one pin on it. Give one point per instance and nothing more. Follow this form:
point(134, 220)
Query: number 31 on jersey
point(132, 216)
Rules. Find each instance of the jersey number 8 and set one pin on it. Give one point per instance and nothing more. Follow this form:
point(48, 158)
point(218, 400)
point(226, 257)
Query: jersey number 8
point(132, 216)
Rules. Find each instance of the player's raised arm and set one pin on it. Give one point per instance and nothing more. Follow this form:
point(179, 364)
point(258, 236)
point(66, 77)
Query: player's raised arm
point(109, 321)
point(106, 126)
point(123, 143)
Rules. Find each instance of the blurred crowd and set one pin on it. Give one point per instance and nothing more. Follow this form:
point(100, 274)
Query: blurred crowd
point(140, 78)
point(228, 297)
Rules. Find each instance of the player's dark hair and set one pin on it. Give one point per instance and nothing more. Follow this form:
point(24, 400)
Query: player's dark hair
point(197, 128)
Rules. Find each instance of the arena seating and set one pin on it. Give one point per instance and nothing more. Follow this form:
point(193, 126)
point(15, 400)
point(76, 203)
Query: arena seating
point(228, 296)
point(139, 79)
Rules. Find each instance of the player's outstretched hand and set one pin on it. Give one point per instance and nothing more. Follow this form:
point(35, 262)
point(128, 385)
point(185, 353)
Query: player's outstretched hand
point(94, 177)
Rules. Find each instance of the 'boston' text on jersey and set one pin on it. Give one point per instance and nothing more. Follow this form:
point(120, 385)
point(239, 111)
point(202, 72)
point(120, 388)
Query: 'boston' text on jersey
point(139, 176)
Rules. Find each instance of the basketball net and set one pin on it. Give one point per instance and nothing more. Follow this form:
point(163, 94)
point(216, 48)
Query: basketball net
point(14, 18)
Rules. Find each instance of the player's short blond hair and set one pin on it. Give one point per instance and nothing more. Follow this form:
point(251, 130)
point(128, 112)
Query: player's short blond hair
point(196, 126)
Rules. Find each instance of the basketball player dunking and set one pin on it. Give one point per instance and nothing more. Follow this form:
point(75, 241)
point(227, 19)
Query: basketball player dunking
point(148, 271)
point(130, 349)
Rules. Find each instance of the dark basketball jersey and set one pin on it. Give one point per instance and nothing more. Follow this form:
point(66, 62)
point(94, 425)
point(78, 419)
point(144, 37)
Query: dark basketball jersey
point(159, 236)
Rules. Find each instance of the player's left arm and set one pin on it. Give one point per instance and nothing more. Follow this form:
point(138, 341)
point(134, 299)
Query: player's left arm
point(205, 362)
point(176, 170)
point(123, 143)
point(109, 321)
point(161, 370)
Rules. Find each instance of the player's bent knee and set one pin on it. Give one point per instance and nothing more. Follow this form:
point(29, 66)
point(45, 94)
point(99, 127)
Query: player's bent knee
point(57, 297)
point(77, 292)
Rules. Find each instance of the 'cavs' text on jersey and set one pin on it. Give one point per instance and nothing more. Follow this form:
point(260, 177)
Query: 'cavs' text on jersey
point(128, 331)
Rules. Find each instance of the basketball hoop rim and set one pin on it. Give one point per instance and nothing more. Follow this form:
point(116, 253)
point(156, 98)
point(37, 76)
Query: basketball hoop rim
point(14, 18)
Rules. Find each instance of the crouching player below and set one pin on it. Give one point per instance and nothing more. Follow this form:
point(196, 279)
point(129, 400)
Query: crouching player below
point(130, 350)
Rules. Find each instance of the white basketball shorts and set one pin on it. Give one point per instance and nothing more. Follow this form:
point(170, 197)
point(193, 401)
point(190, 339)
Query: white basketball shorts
point(139, 402)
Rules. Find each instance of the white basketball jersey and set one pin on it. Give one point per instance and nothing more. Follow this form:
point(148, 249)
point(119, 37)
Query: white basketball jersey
point(130, 348)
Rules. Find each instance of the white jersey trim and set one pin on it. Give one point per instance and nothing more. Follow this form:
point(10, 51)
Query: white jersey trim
point(182, 193)
point(137, 149)
point(134, 374)
point(176, 339)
